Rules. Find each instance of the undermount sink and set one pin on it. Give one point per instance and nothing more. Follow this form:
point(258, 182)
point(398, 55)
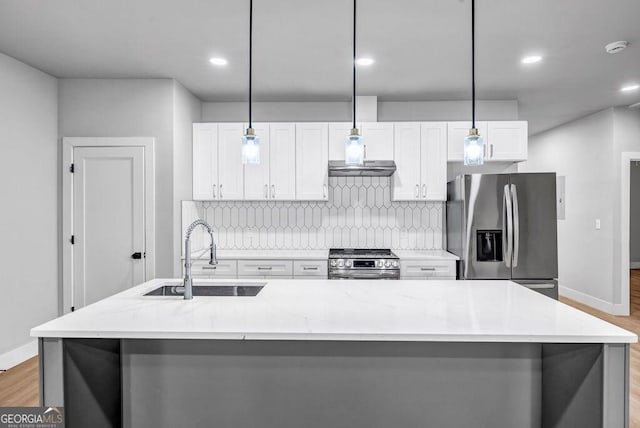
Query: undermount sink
point(220, 289)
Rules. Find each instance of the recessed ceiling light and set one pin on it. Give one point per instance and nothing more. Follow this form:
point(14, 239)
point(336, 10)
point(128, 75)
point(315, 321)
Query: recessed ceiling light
point(218, 61)
point(365, 61)
point(630, 88)
point(532, 59)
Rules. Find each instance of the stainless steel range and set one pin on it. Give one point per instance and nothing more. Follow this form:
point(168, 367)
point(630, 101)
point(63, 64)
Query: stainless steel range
point(353, 263)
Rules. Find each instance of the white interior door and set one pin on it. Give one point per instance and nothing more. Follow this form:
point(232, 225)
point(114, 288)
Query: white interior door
point(108, 221)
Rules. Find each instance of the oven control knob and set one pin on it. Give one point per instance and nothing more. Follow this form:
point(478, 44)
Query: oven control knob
point(395, 263)
point(340, 263)
point(387, 263)
point(347, 263)
point(333, 263)
point(380, 263)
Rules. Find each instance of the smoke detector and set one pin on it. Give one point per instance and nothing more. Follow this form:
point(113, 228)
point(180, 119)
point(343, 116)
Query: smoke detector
point(616, 47)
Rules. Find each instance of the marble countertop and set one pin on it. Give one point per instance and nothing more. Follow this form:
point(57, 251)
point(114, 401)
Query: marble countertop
point(322, 254)
point(441, 311)
point(431, 255)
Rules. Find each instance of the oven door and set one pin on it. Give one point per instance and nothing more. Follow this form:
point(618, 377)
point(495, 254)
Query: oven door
point(363, 274)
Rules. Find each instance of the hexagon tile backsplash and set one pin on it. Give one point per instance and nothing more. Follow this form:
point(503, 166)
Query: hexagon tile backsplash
point(359, 214)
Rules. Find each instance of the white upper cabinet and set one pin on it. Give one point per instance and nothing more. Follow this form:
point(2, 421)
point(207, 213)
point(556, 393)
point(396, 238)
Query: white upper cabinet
point(504, 141)
point(256, 176)
point(420, 153)
point(507, 141)
point(230, 167)
point(406, 153)
point(433, 145)
point(282, 162)
point(378, 140)
point(456, 132)
point(205, 162)
point(312, 157)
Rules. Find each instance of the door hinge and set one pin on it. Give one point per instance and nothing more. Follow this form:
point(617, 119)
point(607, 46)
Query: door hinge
point(72, 239)
point(72, 169)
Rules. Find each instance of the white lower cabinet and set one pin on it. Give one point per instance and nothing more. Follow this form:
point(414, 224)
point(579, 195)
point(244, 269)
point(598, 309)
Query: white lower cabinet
point(427, 269)
point(225, 269)
point(310, 269)
point(265, 268)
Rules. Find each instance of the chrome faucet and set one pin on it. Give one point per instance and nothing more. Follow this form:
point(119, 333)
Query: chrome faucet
point(188, 283)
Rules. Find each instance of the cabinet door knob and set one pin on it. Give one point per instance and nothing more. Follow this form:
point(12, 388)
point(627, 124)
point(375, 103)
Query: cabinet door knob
point(136, 256)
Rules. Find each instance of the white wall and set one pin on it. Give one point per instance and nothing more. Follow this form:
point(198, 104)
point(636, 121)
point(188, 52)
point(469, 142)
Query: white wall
point(129, 108)
point(583, 152)
point(388, 111)
point(29, 189)
point(634, 240)
point(187, 109)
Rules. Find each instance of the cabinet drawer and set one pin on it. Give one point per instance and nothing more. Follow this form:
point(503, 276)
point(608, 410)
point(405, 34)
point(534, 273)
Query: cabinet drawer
point(427, 269)
point(265, 268)
point(310, 268)
point(224, 269)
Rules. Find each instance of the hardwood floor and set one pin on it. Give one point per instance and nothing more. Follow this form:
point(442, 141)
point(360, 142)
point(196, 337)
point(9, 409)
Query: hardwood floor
point(19, 386)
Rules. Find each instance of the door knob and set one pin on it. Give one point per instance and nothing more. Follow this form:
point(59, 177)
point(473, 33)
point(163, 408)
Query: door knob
point(136, 256)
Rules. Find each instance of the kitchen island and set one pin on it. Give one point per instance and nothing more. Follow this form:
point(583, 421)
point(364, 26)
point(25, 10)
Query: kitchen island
point(320, 353)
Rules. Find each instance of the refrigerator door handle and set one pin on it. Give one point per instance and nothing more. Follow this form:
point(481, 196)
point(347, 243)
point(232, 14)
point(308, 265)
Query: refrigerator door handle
point(516, 225)
point(508, 239)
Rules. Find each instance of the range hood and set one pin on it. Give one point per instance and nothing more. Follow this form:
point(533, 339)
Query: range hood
point(371, 168)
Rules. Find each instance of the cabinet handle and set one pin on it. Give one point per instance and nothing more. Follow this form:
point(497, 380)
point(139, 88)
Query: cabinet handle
point(417, 191)
point(209, 267)
point(273, 191)
point(266, 191)
point(428, 268)
point(424, 190)
point(214, 191)
point(220, 191)
point(265, 267)
point(364, 151)
point(310, 268)
point(324, 191)
point(484, 150)
point(491, 155)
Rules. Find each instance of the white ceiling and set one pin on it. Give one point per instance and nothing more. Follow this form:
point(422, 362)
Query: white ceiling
point(302, 48)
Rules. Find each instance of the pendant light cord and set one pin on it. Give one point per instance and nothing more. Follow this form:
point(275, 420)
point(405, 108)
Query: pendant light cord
point(354, 64)
point(250, 55)
point(473, 64)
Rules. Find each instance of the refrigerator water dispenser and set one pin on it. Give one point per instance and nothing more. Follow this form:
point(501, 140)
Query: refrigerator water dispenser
point(489, 246)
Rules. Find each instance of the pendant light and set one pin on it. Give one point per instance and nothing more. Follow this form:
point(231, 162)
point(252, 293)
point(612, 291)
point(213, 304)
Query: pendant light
point(354, 145)
point(250, 141)
point(473, 143)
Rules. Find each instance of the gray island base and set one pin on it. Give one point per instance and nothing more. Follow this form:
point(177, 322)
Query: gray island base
point(319, 384)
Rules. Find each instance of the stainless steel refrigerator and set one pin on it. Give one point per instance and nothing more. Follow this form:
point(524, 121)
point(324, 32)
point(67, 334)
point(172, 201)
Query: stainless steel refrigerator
point(503, 226)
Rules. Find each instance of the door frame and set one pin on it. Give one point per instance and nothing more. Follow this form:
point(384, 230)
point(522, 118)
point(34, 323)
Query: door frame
point(623, 307)
point(68, 144)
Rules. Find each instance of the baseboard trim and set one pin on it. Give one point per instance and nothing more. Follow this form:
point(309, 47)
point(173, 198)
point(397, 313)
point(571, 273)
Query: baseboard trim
point(18, 355)
point(594, 302)
point(634, 265)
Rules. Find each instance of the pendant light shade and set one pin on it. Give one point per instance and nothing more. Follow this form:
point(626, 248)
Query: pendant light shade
point(473, 143)
point(250, 141)
point(354, 144)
